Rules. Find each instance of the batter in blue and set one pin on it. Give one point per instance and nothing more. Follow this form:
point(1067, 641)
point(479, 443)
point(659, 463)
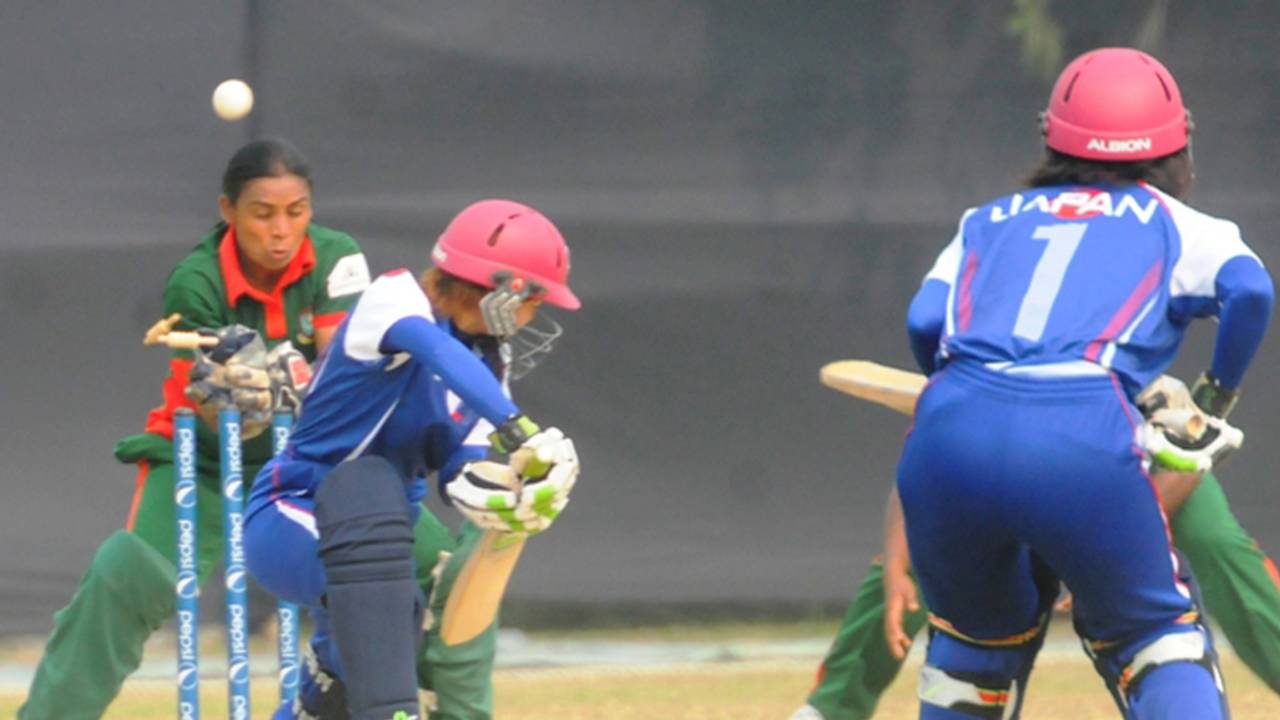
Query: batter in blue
point(413, 385)
point(1040, 323)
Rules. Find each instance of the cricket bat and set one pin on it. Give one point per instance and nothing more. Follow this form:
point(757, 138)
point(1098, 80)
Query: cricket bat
point(898, 389)
point(476, 594)
point(888, 386)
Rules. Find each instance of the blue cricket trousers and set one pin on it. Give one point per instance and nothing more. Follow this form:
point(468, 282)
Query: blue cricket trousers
point(1003, 471)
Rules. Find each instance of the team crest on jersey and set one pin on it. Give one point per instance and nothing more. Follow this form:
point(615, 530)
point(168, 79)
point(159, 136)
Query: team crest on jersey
point(1077, 204)
point(306, 327)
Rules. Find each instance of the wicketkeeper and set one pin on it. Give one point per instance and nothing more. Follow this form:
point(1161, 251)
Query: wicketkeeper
point(273, 287)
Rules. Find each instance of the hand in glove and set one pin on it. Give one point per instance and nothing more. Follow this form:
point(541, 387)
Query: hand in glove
point(1178, 434)
point(232, 373)
point(525, 496)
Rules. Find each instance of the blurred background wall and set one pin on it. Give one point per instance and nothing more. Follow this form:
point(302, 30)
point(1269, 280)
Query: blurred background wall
point(749, 189)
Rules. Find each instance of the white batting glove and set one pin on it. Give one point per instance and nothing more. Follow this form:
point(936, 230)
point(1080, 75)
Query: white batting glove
point(486, 492)
point(525, 497)
point(1178, 435)
point(1174, 452)
point(546, 490)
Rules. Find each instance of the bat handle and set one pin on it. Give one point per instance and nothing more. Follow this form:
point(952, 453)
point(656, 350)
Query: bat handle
point(526, 464)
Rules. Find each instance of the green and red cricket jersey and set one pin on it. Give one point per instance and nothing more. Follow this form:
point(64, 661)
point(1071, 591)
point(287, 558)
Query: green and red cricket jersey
point(210, 290)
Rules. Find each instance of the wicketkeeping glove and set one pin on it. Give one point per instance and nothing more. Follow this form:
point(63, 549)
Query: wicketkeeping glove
point(234, 373)
point(1178, 434)
point(234, 341)
point(290, 374)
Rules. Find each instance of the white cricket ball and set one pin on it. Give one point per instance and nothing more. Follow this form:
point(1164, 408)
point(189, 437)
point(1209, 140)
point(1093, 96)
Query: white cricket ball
point(232, 99)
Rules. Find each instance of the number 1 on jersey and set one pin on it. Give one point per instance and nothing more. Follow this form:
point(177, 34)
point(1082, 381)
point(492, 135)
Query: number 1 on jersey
point(1046, 279)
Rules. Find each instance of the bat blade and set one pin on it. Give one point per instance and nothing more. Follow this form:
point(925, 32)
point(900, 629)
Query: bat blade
point(888, 386)
point(476, 594)
point(898, 390)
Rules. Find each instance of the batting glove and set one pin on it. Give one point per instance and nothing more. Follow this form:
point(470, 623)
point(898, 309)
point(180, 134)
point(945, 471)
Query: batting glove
point(1178, 435)
point(524, 497)
point(487, 494)
point(1210, 396)
point(510, 435)
point(1174, 452)
point(550, 475)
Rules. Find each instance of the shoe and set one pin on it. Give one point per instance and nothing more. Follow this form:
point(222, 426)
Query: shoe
point(806, 712)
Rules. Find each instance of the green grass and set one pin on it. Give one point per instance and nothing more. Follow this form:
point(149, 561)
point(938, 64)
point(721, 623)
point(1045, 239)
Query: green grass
point(1062, 689)
point(701, 632)
point(1064, 686)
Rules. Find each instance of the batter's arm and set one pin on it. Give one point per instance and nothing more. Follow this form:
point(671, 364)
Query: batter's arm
point(461, 370)
point(925, 319)
point(1245, 295)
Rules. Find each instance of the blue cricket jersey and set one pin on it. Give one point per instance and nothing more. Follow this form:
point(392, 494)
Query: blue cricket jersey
point(394, 382)
point(1083, 280)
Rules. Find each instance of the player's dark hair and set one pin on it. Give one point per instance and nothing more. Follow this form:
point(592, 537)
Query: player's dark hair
point(1171, 173)
point(447, 285)
point(271, 157)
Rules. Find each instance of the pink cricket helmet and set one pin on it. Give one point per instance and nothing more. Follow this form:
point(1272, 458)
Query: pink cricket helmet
point(1118, 105)
point(491, 237)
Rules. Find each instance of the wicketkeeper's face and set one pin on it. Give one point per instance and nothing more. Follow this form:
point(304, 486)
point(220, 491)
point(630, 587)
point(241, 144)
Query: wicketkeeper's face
point(270, 218)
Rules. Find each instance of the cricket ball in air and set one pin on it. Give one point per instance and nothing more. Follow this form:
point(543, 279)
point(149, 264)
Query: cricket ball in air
point(232, 99)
